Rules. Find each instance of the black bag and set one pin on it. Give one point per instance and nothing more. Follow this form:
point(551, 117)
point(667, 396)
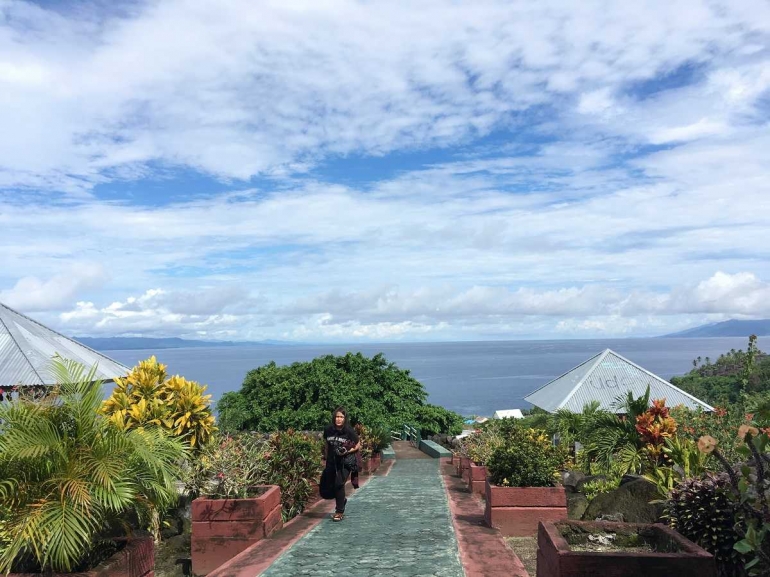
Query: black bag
point(327, 486)
point(350, 462)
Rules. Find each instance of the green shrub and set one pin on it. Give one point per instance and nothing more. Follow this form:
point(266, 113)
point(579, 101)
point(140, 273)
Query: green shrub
point(527, 458)
point(435, 420)
point(703, 511)
point(293, 462)
point(592, 489)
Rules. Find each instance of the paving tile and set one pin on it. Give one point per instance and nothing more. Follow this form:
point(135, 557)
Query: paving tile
point(396, 525)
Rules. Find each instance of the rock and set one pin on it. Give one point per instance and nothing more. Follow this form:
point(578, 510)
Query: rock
point(628, 478)
point(178, 543)
point(576, 505)
point(631, 500)
point(570, 480)
point(588, 479)
point(615, 518)
point(174, 528)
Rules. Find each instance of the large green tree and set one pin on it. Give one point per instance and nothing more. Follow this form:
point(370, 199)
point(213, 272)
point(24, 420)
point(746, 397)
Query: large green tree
point(375, 392)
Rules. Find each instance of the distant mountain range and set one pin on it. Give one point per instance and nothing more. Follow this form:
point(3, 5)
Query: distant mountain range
point(733, 328)
point(135, 343)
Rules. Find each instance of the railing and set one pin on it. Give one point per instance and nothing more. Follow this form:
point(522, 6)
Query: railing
point(412, 435)
point(407, 433)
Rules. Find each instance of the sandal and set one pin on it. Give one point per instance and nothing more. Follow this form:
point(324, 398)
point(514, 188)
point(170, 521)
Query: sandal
point(338, 516)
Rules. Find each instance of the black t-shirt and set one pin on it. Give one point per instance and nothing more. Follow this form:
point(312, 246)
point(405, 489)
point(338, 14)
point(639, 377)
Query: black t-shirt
point(335, 438)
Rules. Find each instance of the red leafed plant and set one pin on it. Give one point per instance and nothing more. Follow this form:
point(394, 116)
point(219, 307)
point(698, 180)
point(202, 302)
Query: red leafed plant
point(654, 426)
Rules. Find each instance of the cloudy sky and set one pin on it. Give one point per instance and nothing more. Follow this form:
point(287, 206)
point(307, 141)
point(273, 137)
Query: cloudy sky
point(374, 171)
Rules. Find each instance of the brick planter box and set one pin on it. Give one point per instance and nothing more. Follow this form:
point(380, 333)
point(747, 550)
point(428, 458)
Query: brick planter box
point(477, 479)
point(372, 463)
point(463, 466)
point(516, 511)
point(136, 559)
point(222, 528)
point(678, 556)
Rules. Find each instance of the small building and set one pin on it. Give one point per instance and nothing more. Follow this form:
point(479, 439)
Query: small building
point(27, 348)
point(509, 414)
point(603, 378)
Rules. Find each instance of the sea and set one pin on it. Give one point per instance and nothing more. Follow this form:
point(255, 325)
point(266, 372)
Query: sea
point(471, 378)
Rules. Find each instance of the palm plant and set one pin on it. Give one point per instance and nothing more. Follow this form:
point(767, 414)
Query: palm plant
point(69, 477)
point(614, 442)
point(572, 427)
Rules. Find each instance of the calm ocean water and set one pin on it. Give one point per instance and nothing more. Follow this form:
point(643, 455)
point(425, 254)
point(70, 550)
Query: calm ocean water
point(472, 378)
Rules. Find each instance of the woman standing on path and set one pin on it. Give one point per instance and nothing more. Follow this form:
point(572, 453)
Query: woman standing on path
point(341, 444)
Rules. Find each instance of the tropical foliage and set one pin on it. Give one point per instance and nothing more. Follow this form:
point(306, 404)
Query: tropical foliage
point(527, 458)
point(733, 375)
point(227, 467)
point(302, 395)
point(69, 477)
point(147, 397)
point(750, 492)
point(702, 508)
point(232, 466)
point(373, 439)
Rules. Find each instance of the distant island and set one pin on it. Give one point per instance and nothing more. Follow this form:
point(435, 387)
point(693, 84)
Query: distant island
point(732, 328)
point(136, 343)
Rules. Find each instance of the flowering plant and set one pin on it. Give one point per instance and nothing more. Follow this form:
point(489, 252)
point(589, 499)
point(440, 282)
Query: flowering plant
point(480, 445)
point(227, 468)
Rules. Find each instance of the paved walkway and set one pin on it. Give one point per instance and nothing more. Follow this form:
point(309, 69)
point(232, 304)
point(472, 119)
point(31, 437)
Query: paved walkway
point(395, 525)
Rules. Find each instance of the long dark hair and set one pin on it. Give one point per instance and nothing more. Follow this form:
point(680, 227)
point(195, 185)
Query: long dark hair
point(342, 410)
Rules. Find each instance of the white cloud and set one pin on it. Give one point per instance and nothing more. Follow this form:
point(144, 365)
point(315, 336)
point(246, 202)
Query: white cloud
point(241, 88)
point(562, 221)
point(157, 313)
point(32, 294)
point(391, 313)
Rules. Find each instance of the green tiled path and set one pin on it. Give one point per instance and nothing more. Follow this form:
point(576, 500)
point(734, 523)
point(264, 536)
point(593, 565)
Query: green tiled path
point(395, 525)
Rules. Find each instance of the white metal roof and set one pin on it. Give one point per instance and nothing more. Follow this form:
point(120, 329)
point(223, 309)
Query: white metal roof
point(27, 347)
point(603, 378)
point(509, 413)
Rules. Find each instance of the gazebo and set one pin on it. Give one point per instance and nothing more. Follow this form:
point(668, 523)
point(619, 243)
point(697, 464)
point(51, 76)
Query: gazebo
point(26, 350)
point(603, 378)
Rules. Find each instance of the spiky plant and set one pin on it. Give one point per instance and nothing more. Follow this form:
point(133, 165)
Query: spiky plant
point(69, 476)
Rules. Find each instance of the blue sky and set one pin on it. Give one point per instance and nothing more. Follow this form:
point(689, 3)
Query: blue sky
point(372, 171)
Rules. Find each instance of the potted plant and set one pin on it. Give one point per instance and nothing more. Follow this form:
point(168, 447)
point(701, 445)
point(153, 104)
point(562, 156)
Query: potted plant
point(579, 548)
point(70, 480)
point(373, 440)
point(479, 447)
point(521, 487)
point(231, 510)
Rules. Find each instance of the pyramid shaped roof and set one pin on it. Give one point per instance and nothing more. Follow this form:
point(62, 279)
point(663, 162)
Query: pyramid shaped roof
point(605, 377)
point(27, 347)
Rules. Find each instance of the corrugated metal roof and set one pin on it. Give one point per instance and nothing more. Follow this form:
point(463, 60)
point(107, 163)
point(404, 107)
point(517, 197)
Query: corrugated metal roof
point(604, 378)
point(26, 349)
